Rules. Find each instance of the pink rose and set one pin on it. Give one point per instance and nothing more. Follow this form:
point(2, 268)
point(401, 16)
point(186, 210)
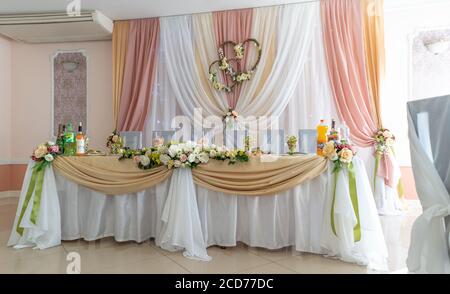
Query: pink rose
point(54, 149)
point(136, 159)
point(183, 157)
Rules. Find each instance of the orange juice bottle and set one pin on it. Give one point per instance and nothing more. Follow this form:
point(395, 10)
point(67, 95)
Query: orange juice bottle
point(322, 130)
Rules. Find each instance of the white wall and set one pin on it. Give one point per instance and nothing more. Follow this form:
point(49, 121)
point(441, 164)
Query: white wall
point(403, 19)
point(5, 100)
point(32, 93)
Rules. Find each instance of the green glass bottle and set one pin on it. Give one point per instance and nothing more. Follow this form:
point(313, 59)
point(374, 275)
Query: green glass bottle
point(69, 141)
point(60, 140)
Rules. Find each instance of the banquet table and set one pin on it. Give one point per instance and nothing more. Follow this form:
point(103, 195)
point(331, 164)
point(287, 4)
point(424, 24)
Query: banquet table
point(190, 209)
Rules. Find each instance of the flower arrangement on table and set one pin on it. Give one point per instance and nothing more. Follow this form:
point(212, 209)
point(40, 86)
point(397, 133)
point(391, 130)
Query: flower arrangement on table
point(182, 155)
point(292, 144)
point(340, 153)
point(44, 154)
point(114, 142)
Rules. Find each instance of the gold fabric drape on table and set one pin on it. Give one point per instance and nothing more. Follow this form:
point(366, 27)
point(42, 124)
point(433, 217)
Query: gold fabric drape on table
point(119, 51)
point(108, 175)
point(373, 28)
point(257, 177)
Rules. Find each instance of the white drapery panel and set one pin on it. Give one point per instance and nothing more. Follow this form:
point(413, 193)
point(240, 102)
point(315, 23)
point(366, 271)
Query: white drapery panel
point(429, 249)
point(312, 99)
point(178, 55)
point(294, 33)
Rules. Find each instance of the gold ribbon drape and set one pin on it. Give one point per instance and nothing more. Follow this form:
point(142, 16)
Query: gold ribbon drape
point(108, 175)
point(256, 177)
point(119, 51)
point(373, 28)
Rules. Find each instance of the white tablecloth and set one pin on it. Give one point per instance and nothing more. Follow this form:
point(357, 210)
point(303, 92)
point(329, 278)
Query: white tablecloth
point(181, 215)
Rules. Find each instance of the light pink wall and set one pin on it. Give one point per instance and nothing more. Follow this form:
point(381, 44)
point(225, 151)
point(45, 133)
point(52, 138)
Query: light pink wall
point(32, 93)
point(5, 100)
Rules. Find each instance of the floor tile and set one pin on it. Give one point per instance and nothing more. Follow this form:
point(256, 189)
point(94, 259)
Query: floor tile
point(271, 268)
point(316, 264)
point(233, 261)
point(154, 265)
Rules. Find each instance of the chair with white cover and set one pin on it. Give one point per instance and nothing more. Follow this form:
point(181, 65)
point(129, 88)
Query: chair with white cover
point(132, 140)
point(307, 140)
point(428, 122)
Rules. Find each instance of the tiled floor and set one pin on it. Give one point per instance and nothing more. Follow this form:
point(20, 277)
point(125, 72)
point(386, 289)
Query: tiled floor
point(108, 256)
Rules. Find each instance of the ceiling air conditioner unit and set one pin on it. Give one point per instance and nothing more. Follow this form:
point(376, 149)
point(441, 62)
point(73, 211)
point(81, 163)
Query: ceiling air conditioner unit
point(55, 27)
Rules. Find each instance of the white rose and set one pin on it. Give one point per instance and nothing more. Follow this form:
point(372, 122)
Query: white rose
point(173, 150)
point(203, 157)
point(387, 134)
point(212, 153)
point(144, 160)
point(148, 153)
point(48, 157)
point(164, 159)
point(177, 163)
point(390, 142)
point(40, 151)
point(163, 149)
point(191, 157)
point(346, 155)
point(50, 143)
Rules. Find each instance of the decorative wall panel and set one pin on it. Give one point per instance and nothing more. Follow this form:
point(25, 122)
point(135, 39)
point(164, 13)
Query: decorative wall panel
point(69, 89)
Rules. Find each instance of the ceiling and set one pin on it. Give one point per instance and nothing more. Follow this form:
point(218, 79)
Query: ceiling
point(129, 9)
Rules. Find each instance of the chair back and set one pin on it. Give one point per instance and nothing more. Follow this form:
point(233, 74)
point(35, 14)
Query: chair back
point(307, 139)
point(132, 140)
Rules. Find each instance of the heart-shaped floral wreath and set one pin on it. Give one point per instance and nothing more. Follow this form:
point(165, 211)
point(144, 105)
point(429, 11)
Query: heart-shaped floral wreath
point(237, 77)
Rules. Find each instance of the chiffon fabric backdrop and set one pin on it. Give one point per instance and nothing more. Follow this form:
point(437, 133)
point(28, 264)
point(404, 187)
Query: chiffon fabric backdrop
point(345, 55)
point(288, 74)
point(429, 251)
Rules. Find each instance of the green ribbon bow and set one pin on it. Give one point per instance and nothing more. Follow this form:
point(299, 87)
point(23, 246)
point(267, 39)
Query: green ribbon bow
point(354, 199)
point(35, 185)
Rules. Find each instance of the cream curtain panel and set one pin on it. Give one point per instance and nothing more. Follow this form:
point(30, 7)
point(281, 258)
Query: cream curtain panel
point(119, 52)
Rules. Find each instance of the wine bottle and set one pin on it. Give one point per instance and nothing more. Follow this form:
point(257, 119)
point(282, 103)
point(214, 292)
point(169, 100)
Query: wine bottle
point(81, 141)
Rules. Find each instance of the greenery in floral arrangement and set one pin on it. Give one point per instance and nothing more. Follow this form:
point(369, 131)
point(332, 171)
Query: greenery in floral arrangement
point(222, 153)
point(340, 153)
point(292, 144)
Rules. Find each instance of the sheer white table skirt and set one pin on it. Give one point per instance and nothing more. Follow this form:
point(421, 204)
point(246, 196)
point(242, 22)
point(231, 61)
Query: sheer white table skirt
point(181, 215)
